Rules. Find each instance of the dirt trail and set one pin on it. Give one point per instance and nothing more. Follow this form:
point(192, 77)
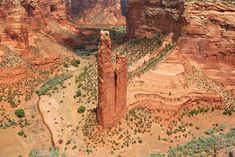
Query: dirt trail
point(47, 126)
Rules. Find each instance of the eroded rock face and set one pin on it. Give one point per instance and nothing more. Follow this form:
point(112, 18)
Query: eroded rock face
point(18, 19)
point(145, 18)
point(112, 84)
point(209, 32)
point(55, 8)
point(97, 12)
point(14, 28)
point(205, 29)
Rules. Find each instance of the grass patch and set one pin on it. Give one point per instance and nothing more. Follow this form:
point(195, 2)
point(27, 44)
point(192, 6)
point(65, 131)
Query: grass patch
point(203, 146)
point(51, 84)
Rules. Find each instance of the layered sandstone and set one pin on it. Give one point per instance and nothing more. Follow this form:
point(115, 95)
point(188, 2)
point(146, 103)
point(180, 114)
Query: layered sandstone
point(112, 84)
point(145, 18)
point(31, 33)
point(209, 32)
point(55, 8)
point(205, 29)
point(97, 12)
point(19, 18)
point(14, 30)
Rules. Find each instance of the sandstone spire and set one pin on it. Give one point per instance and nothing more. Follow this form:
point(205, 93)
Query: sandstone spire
point(112, 82)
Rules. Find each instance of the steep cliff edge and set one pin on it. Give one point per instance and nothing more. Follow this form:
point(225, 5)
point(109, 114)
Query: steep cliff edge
point(96, 12)
point(209, 32)
point(22, 21)
point(147, 17)
point(31, 47)
point(206, 29)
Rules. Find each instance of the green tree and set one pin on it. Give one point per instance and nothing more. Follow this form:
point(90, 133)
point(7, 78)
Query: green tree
point(81, 109)
point(20, 113)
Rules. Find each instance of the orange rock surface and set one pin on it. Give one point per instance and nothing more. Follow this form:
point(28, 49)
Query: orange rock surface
point(112, 84)
point(209, 32)
point(205, 29)
point(147, 17)
point(97, 12)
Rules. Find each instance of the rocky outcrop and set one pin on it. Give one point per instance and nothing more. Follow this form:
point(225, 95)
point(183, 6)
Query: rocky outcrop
point(20, 20)
point(15, 25)
point(55, 8)
point(205, 29)
point(145, 18)
point(97, 12)
point(209, 32)
point(112, 84)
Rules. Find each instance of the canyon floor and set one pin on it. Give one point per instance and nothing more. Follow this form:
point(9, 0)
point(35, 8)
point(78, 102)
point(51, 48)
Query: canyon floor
point(173, 99)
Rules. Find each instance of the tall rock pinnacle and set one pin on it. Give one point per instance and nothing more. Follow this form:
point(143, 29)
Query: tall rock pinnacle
point(112, 84)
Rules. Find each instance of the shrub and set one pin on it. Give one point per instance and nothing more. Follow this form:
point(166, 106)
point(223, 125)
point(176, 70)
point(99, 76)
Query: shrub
point(79, 93)
point(75, 63)
point(20, 113)
point(228, 112)
point(222, 127)
point(140, 141)
point(66, 65)
point(34, 153)
point(37, 92)
point(11, 101)
point(21, 133)
point(210, 131)
point(81, 109)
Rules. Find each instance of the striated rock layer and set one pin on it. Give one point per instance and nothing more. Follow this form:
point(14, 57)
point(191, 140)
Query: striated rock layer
point(31, 33)
point(18, 19)
point(206, 29)
point(147, 17)
point(112, 84)
point(209, 32)
point(97, 12)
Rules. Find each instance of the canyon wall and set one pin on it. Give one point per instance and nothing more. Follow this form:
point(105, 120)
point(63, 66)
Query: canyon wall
point(209, 32)
point(206, 29)
point(19, 21)
point(14, 27)
point(145, 18)
point(112, 84)
point(96, 12)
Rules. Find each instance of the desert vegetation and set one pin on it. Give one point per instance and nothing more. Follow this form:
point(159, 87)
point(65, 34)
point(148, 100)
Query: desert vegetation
point(203, 146)
point(20, 113)
point(6, 121)
point(195, 77)
point(137, 122)
point(151, 63)
point(87, 84)
point(53, 152)
point(51, 84)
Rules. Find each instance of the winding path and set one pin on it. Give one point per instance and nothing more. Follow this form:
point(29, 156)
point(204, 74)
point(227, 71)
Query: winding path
point(44, 122)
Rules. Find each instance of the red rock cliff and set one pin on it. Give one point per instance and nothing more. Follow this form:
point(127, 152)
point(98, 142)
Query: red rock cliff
point(112, 84)
point(209, 32)
point(206, 29)
point(147, 17)
point(20, 19)
point(97, 12)
point(15, 25)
